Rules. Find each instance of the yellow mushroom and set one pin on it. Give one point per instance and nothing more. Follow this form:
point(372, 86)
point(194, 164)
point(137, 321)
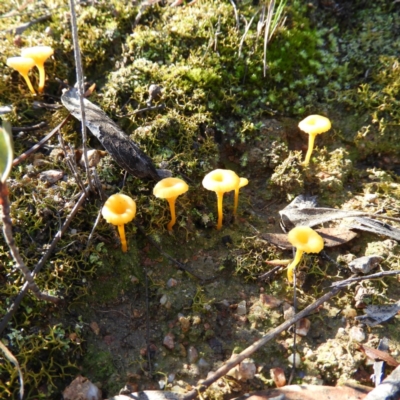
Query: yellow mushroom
point(313, 125)
point(221, 181)
point(170, 189)
point(23, 65)
point(119, 209)
point(242, 182)
point(306, 240)
point(40, 54)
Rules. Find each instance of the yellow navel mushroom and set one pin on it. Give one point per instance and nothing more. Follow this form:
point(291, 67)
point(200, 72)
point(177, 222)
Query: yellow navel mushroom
point(23, 65)
point(306, 240)
point(170, 189)
point(313, 125)
point(119, 209)
point(221, 181)
point(242, 182)
point(40, 54)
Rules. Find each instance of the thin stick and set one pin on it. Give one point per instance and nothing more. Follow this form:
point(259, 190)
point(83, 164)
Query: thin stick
point(220, 372)
point(381, 274)
point(38, 145)
point(40, 125)
point(79, 81)
point(40, 264)
point(19, 262)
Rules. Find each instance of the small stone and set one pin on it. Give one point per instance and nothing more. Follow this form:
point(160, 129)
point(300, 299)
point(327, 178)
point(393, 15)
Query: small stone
point(270, 301)
point(241, 308)
point(247, 369)
point(185, 323)
point(203, 364)
point(172, 282)
point(357, 334)
point(288, 311)
point(51, 176)
point(303, 326)
point(278, 375)
point(294, 358)
point(163, 299)
point(193, 355)
point(169, 342)
point(171, 377)
point(82, 389)
point(94, 327)
point(364, 264)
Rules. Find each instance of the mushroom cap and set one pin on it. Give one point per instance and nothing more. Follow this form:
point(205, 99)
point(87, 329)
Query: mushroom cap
point(315, 124)
point(169, 188)
point(306, 239)
point(119, 209)
point(243, 182)
point(21, 64)
point(39, 53)
point(221, 180)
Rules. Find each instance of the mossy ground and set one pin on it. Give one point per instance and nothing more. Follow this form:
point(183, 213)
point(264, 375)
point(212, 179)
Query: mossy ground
point(338, 58)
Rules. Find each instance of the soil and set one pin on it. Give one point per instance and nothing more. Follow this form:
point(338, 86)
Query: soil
point(179, 304)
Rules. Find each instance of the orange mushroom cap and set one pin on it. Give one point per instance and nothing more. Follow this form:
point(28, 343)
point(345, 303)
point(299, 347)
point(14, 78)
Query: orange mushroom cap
point(119, 209)
point(306, 240)
point(170, 189)
point(313, 125)
point(23, 65)
point(40, 54)
point(221, 181)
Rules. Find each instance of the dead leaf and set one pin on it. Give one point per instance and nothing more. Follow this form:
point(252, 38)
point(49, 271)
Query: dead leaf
point(332, 237)
point(375, 314)
point(375, 354)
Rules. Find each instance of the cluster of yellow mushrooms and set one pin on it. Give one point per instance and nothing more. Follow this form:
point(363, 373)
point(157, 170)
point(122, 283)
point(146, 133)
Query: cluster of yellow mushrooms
point(31, 57)
point(120, 209)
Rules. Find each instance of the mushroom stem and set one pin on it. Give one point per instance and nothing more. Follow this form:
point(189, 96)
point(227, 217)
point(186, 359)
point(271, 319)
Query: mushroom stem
point(42, 77)
point(220, 197)
point(293, 264)
point(171, 202)
point(28, 82)
point(121, 230)
point(311, 140)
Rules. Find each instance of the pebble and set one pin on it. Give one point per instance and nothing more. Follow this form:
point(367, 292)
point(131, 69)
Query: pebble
point(364, 264)
point(203, 364)
point(241, 308)
point(278, 375)
point(163, 299)
point(247, 369)
point(81, 388)
point(294, 358)
point(184, 322)
point(270, 301)
point(193, 355)
point(51, 176)
point(172, 282)
point(357, 334)
point(303, 326)
point(168, 341)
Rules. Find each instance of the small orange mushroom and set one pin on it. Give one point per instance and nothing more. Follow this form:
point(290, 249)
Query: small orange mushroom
point(306, 240)
point(313, 125)
point(23, 65)
point(221, 181)
point(40, 54)
point(119, 209)
point(170, 189)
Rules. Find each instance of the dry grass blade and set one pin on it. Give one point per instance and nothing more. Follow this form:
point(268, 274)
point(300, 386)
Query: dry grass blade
point(10, 357)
